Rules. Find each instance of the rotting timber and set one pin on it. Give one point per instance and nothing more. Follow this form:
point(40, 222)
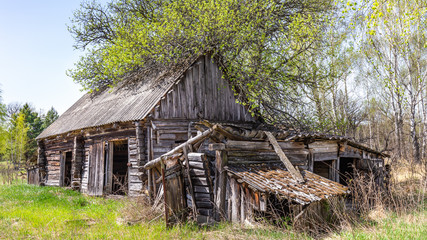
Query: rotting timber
point(253, 170)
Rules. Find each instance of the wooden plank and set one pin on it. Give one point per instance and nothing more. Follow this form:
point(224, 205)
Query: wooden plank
point(208, 89)
point(263, 146)
point(194, 89)
point(199, 181)
point(242, 205)
point(100, 169)
point(91, 165)
point(295, 174)
point(325, 156)
point(200, 189)
point(221, 161)
point(216, 98)
point(235, 200)
point(204, 204)
point(188, 92)
point(198, 165)
point(202, 88)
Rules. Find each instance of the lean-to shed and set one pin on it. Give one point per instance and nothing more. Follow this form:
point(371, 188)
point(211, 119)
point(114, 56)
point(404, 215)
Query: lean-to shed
point(245, 172)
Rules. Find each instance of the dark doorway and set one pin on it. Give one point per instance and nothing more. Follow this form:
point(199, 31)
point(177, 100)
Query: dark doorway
point(324, 168)
point(67, 169)
point(116, 168)
point(346, 170)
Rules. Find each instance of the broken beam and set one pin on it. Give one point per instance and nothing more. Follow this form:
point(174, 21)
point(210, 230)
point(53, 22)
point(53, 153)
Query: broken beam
point(294, 172)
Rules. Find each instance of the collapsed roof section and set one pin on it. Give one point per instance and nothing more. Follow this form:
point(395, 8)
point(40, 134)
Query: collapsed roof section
point(275, 179)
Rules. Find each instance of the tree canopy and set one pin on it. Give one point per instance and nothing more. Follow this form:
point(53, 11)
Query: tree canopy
point(267, 46)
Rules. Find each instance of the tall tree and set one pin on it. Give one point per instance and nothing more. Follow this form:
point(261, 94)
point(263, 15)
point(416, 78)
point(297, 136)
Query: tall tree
point(396, 51)
point(3, 130)
point(33, 123)
point(264, 45)
point(50, 117)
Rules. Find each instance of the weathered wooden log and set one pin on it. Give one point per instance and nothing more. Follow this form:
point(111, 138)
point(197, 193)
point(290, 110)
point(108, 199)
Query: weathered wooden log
point(235, 200)
point(191, 188)
point(221, 162)
point(295, 173)
point(204, 204)
point(198, 165)
point(201, 189)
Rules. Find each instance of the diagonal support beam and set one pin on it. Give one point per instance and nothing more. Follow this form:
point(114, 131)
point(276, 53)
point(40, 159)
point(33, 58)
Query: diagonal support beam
point(178, 149)
point(294, 172)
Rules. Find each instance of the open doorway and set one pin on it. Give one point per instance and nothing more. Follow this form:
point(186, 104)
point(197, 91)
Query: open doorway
point(324, 168)
point(66, 169)
point(346, 169)
point(116, 168)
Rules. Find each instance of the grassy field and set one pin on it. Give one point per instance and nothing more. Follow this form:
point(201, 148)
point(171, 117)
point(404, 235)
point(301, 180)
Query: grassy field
point(54, 213)
point(32, 212)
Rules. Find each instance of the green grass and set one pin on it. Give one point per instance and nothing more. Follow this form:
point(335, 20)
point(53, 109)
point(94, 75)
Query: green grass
point(29, 211)
point(407, 226)
point(33, 212)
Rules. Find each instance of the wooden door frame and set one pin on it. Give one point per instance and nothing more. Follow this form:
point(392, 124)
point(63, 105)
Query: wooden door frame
point(62, 162)
point(109, 161)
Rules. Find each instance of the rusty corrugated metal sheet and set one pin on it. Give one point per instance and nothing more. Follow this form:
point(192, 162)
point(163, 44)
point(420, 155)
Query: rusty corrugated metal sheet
point(274, 179)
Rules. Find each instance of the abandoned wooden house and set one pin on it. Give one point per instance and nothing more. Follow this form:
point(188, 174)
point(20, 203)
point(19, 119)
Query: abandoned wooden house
point(146, 134)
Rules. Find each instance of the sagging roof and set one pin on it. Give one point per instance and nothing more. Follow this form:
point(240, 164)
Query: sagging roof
point(275, 179)
point(129, 102)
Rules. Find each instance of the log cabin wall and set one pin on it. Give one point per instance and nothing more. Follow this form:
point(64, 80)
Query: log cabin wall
point(54, 150)
point(134, 180)
point(41, 161)
point(253, 152)
point(169, 133)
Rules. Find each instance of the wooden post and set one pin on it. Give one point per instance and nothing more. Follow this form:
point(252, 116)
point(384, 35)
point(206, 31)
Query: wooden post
point(235, 200)
point(165, 189)
point(337, 165)
point(149, 171)
point(291, 169)
point(310, 159)
point(221, 162)
point(249, 204)
point(242, 204)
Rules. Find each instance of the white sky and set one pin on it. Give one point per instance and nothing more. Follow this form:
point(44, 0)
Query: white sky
point(35, 52)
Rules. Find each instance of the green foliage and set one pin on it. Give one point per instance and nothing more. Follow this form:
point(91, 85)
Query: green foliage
point(266, 46)
point(18, 138)
point(19, 130)
point(3, 131)
point(50, 117)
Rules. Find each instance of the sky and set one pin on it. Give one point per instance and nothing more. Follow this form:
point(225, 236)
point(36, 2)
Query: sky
point(36, 50)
